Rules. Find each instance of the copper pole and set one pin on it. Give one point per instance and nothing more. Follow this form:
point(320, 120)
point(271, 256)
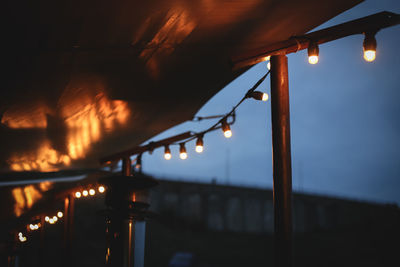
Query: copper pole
point(282, 170)
point(69, 203)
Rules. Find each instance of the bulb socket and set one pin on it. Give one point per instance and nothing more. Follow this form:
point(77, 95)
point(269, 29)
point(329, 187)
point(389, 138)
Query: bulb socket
point(369, 42)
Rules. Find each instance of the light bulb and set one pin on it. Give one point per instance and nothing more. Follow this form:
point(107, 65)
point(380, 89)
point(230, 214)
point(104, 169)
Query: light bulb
point(199, 144)
point(226, 129)
point(183, 155)
point(228, 134)
point(167, 153)
point(32, 227)
point(101, 189)
point(199, 149)
point(313, 59)
point(60, 214)
point(51, 221)
point(46, 218)
point(313, 52)
point(21, 238)
point(257, 95)
point(369, 47)
point(78, 194)
point(85, 193)
point(369, 55)
point(92, 192)
point(182, 151)
point(55, 219)
point(167, 156)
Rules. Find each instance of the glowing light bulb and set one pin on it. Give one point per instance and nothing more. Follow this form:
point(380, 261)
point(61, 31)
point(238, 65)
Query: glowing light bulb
point(21, 237)
point(182, 151)
point(369, 47)
point(60, 214)
point(78, 194)
point(32, 227)
point(226, 129)
point(313, 52)
point(313, 59)
point(92, 192)
point(199, 144)
point(36, 226)
point(85, 193)
point(228, 134)
point(183, 155)
point(167, 153)
point(199, 149)
point(46, 218)
point(257, 95)
point(51, 221)
point(369, 55)
point(55, 219)
point(101, 189)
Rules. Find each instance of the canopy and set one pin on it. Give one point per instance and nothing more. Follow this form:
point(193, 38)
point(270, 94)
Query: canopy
point(85, 79)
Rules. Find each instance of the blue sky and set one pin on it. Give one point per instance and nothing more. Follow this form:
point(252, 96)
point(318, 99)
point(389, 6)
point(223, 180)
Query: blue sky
point(344, 120)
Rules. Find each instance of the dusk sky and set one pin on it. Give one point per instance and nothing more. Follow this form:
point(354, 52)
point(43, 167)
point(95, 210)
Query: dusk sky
point(345, 125)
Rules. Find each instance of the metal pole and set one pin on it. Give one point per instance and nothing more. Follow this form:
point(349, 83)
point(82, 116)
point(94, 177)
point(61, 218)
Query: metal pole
point(282, 170)
point(42, 244)
point(69, 203)
point(126, 166)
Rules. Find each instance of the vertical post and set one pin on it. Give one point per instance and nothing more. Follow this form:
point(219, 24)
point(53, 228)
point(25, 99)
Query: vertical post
point(126, 166)
point(282, 170)
point(69, 203)
point(120, 224)
point(42, 247)
point(128, 224)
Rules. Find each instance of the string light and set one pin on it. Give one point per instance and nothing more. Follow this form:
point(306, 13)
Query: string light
point(85, 193)
point(46, 218)
point(199, 144)
point(78, 194)
point(101, 189)
point(226, 129)
point(21, 237)
point(51, 221)
point(60, 214)
point(167, 153)
point(189, 136)
point(313, 52)
point(92, 192)
point(182, 151)
point(55, 219)
point(369, 47)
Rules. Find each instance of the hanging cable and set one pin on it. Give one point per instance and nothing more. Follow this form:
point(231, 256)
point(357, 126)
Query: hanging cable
point(223, 123)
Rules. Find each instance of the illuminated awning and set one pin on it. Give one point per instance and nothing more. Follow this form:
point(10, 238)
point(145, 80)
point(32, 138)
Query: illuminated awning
point(86, 79)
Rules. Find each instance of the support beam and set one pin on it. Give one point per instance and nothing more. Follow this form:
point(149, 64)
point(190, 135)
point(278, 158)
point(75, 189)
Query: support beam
point(282, 170)
point(372, 23)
